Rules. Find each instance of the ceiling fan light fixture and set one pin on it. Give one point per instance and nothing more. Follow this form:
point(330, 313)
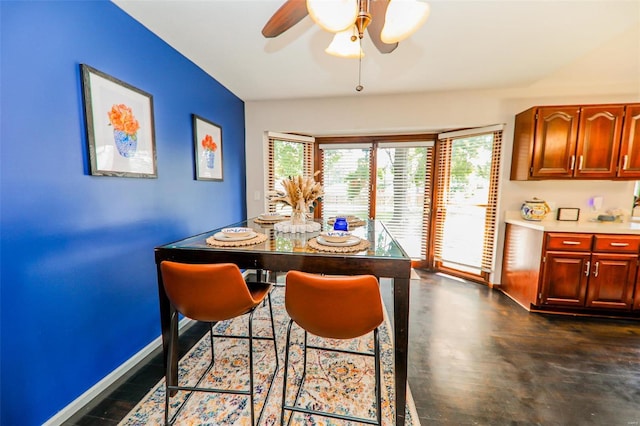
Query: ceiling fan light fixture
point(333, 15)
point(403, 18)
point(343, 45)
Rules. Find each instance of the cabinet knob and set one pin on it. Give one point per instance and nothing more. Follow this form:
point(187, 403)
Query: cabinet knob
point(625, 162)
point(573, 162)
point(586, 270)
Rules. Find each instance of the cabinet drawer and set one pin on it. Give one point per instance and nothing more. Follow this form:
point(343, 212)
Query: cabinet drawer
point(568, 242)
point(611, 243)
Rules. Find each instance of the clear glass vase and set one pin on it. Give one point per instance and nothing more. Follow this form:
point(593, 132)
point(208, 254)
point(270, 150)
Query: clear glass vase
point(298, 217)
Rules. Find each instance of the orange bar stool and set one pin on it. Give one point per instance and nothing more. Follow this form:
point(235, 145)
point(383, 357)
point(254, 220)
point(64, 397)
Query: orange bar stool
point(211, 293)
point(335, 308)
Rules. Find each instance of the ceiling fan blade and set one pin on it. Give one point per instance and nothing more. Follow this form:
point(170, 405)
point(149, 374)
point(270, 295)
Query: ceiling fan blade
point(289, 14)
point(378, 10)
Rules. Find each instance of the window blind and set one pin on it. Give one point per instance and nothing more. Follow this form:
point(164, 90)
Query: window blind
point(287, 155)
point(491, 219)
point(468, 166)
point(346, 179)
point(403, 193)
point(443, 167)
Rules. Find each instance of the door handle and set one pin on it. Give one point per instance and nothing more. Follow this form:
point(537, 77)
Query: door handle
point(625, 162)
point(571, 243)
point(619, 244)
point(580, 162)
point(573, 162)
point(586, 270)
point(595, 273)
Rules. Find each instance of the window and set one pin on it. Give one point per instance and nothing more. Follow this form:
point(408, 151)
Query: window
point(468, 164)
point(287, 155)
point(346, 180)
point(403, 193)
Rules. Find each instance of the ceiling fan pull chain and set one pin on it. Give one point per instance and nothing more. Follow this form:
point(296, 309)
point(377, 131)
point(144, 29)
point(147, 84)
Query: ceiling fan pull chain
point(359, 87)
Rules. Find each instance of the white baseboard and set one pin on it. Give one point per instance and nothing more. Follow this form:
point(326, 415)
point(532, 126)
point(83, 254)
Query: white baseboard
point(77, 404)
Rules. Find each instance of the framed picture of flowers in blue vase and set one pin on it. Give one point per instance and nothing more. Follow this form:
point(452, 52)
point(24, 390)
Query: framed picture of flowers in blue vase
point(207, 141)
point(120, 126)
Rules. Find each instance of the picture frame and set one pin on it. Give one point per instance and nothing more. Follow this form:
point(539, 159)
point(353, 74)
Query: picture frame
point(119, 125)
point(207, 143)
point(568, 214)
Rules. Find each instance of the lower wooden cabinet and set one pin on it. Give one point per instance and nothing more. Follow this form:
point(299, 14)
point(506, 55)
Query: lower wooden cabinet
point(636, 303)
point(577, 272)
point(612, 281)
point(564, 280)
point(604, 281)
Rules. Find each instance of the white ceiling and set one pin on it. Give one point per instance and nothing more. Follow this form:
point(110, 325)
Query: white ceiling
point(464, 45)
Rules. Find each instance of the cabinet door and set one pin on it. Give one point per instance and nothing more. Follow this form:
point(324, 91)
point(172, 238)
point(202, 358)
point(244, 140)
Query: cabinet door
point(555, 142)
point(636, 303)
point(598, 141)
point(629, 166)
point(564, 280)
point(612, 280)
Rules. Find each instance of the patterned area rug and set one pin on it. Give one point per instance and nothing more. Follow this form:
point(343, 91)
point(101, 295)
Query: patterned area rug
point(335, 382)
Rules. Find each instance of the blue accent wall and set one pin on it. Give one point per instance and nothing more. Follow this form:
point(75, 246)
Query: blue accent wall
point(78, 280)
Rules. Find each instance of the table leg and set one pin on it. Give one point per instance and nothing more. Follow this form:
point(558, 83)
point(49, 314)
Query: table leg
point(401, 344)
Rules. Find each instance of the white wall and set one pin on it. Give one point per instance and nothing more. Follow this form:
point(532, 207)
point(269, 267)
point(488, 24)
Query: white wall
point(417, 113)
point(422, 113)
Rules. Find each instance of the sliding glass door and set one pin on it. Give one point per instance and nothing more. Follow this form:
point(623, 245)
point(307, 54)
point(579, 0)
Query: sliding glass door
point(389, 181)
point(403, 193)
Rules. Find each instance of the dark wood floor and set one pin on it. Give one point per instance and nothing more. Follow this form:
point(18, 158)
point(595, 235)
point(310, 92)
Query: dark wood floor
point(477, 358)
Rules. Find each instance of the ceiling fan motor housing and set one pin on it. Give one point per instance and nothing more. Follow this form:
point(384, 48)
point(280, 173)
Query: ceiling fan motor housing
point(364, 17)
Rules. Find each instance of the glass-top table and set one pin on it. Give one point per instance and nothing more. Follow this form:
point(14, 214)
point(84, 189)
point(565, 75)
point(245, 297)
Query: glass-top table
point(282, 252)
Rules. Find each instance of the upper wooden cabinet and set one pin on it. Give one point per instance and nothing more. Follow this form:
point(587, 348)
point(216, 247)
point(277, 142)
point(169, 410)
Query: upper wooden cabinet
point(577, 142)
point(629, 164)
point(598, 145)
point(555, 142)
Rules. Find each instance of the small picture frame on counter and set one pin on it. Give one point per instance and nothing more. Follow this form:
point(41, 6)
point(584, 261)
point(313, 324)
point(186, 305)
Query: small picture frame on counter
point(568, 213)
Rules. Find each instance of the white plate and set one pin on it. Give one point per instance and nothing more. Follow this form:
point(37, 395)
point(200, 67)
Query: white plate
point(237, 232)
point(271, 217)
point(222, 237)
point(336, 236)
point(352, 241)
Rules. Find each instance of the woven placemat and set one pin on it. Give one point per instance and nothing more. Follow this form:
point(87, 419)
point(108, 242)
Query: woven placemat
point(268, 221)
point(259, 238)
point(362, 245)
point(352, 221)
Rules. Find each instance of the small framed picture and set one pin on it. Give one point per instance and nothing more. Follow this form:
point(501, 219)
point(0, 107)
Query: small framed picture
point(120, 128)
point(568, 213)
point(207, 139)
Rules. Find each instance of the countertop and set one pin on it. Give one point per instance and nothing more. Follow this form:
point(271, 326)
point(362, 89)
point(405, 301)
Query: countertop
point(550, 224)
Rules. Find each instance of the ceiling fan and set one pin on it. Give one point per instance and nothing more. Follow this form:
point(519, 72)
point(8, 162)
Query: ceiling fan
point(387, 21)
point(371, 16)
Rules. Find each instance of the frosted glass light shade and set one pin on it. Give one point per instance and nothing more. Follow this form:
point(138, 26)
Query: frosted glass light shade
point(403, 18)
point(333, 15)
point(343, 47)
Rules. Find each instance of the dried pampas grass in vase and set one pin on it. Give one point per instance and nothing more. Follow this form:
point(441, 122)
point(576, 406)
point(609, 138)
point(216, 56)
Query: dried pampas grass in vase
point(300, 193)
